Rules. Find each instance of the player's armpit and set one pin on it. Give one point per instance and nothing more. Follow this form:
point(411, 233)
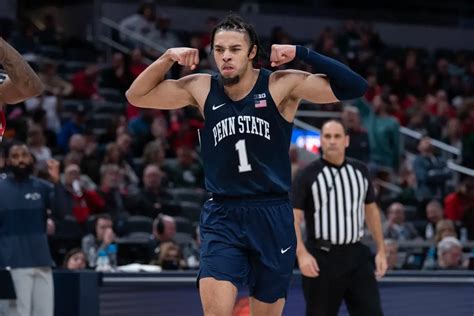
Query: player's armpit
point(314, 88)
point(300, 85)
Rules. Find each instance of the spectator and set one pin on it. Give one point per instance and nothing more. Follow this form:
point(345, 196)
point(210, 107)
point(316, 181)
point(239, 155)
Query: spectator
point(113, 155)
point(112, 190)
point(359, 147)
point(36, 144)
point(102, 237)
point(163, 35)
point(75, 126)
point(445, 228)
point(170, 257)
point(391, 250)
point(85, 83)
point(51, 105)
point(450, 254)
point(86, 147)
point(140, 128)
point(434, 214)
point(154, 154)
point(118, 75)
point(149, 200)
point(452, 133)
point(412, 73)
point(124, 142)
point(205, 39)
point(395, 227)
point(186, 172)
point(53, 83)
point(182, 130)
point(431, 172)
point(84, 201)
point(384, 138)
point(140, 23)
point(74, 158)
point(407, 180)
point(163, 230)
point(39, 118)
point(75, 259)
point(468, 133)
point(49, 35)
point(460, 202)
point(137, 63)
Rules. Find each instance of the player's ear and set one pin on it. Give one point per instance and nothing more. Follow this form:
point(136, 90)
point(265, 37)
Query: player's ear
point(253, 52)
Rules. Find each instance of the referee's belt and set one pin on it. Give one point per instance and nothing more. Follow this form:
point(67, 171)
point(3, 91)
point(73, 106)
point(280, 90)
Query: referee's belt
point(325, 245)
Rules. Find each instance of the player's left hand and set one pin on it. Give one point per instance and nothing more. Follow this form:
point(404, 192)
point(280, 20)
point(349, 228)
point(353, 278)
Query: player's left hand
point(380, 265)
point(282, 54)
point(53, 170)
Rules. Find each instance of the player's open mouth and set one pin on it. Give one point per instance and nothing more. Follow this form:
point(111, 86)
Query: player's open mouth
point(227, 68)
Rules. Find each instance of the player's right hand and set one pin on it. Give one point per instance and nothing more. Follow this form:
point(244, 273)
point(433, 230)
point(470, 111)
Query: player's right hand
point(308, 265)
point(185, 56)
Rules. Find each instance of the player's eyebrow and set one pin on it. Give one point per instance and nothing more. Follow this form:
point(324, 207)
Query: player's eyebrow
point(231, 46)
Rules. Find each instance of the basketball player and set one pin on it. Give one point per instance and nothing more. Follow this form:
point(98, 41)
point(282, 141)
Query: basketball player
point(247, 228)
point(19, 82)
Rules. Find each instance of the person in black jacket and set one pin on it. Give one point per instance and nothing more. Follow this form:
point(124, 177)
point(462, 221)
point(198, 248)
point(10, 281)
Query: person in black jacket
point(28, 207)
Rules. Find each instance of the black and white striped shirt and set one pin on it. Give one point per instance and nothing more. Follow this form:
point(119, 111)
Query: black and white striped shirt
point(333, 199)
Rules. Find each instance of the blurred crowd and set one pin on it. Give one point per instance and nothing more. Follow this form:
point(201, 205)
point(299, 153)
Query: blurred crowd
point(134, 177)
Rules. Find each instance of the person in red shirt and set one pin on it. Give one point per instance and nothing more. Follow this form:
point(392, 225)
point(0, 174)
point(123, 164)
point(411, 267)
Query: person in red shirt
point(457, 203)
point(84, 201)
point(85, 83)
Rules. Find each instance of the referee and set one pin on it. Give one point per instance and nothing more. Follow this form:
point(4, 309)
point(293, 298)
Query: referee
point(336, 196)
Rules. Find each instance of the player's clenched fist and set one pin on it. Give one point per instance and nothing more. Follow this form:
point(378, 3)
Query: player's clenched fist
point(282, 54)
point(185, 56)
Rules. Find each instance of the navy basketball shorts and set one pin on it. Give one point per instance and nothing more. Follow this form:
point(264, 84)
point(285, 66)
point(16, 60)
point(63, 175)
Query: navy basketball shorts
point(249, 242)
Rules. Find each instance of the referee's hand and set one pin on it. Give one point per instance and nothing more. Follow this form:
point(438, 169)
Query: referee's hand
point(380, 265)
point(308, 265)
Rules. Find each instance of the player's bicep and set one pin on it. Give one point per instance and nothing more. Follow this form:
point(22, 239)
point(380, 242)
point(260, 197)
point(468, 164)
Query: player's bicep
point(9, 94)
point(314, 88)
point(169, 94)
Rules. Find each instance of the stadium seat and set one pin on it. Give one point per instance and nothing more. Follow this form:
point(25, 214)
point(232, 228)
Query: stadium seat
point(189, 195)
point(183, 225)
point(139, 224)
point(112, 95)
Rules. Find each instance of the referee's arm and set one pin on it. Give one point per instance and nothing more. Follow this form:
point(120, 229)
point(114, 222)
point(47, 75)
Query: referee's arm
point(306, 262)
point(374, 223)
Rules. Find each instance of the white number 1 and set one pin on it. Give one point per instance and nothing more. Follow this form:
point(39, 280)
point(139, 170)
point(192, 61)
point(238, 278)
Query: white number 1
point(244, 165)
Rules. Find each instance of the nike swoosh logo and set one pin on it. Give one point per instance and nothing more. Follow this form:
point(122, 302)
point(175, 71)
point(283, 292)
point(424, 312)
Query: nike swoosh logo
point(215, 107)
point(284, 250)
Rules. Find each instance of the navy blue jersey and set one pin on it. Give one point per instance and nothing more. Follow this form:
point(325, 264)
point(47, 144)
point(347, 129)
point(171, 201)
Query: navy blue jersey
point(245, 143)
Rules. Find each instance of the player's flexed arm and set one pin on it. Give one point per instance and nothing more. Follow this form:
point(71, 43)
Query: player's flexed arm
point(150, 90)
point(20, 81)
point(333, 82)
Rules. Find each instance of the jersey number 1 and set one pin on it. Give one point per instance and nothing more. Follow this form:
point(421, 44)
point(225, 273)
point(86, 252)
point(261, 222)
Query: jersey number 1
point(244, 165)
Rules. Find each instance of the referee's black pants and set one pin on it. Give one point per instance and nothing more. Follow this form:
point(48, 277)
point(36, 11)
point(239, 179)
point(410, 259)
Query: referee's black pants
point(346, 273)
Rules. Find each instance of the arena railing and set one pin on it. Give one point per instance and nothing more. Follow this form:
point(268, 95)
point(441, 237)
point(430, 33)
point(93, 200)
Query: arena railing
point(449, 152)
